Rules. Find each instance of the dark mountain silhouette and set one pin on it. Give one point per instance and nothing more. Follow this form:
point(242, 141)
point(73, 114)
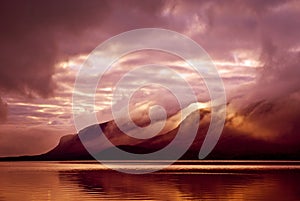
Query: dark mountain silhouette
point(233, 143)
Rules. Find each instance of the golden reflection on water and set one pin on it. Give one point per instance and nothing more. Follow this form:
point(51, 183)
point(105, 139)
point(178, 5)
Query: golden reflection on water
point(91, 181)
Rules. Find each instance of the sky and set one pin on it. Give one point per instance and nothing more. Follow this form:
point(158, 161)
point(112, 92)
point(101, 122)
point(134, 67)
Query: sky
point(254, 44)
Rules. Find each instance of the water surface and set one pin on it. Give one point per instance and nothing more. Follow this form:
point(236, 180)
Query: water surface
point(186, 180)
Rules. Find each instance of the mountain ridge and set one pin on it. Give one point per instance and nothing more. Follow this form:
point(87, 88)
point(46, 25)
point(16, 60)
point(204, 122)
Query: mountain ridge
point(233, 143)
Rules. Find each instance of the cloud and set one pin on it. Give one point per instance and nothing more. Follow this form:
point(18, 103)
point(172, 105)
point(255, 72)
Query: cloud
point(37, 35)
point(3, 111)
point(268, 108)
point(31, 36)
point(265, 108)
point(27, 141)
point(279, 77)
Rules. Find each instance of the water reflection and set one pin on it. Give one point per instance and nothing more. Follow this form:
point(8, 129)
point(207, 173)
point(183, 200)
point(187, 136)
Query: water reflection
point(164, 186)
point(59, 181)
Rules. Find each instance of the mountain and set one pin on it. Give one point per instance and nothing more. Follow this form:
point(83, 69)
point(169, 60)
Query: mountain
point(234, 143)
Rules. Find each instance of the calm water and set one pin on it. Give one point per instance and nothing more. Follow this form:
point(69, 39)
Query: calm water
point(203, 180)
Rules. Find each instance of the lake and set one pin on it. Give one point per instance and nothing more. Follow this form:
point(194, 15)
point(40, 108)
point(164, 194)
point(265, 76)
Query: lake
point(185, 180)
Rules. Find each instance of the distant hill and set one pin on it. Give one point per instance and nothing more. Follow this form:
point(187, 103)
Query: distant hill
point(233, 143)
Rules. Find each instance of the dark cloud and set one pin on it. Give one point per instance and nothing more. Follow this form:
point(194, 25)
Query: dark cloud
point(30, 39)
point(238, 25)
point(36, 35)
